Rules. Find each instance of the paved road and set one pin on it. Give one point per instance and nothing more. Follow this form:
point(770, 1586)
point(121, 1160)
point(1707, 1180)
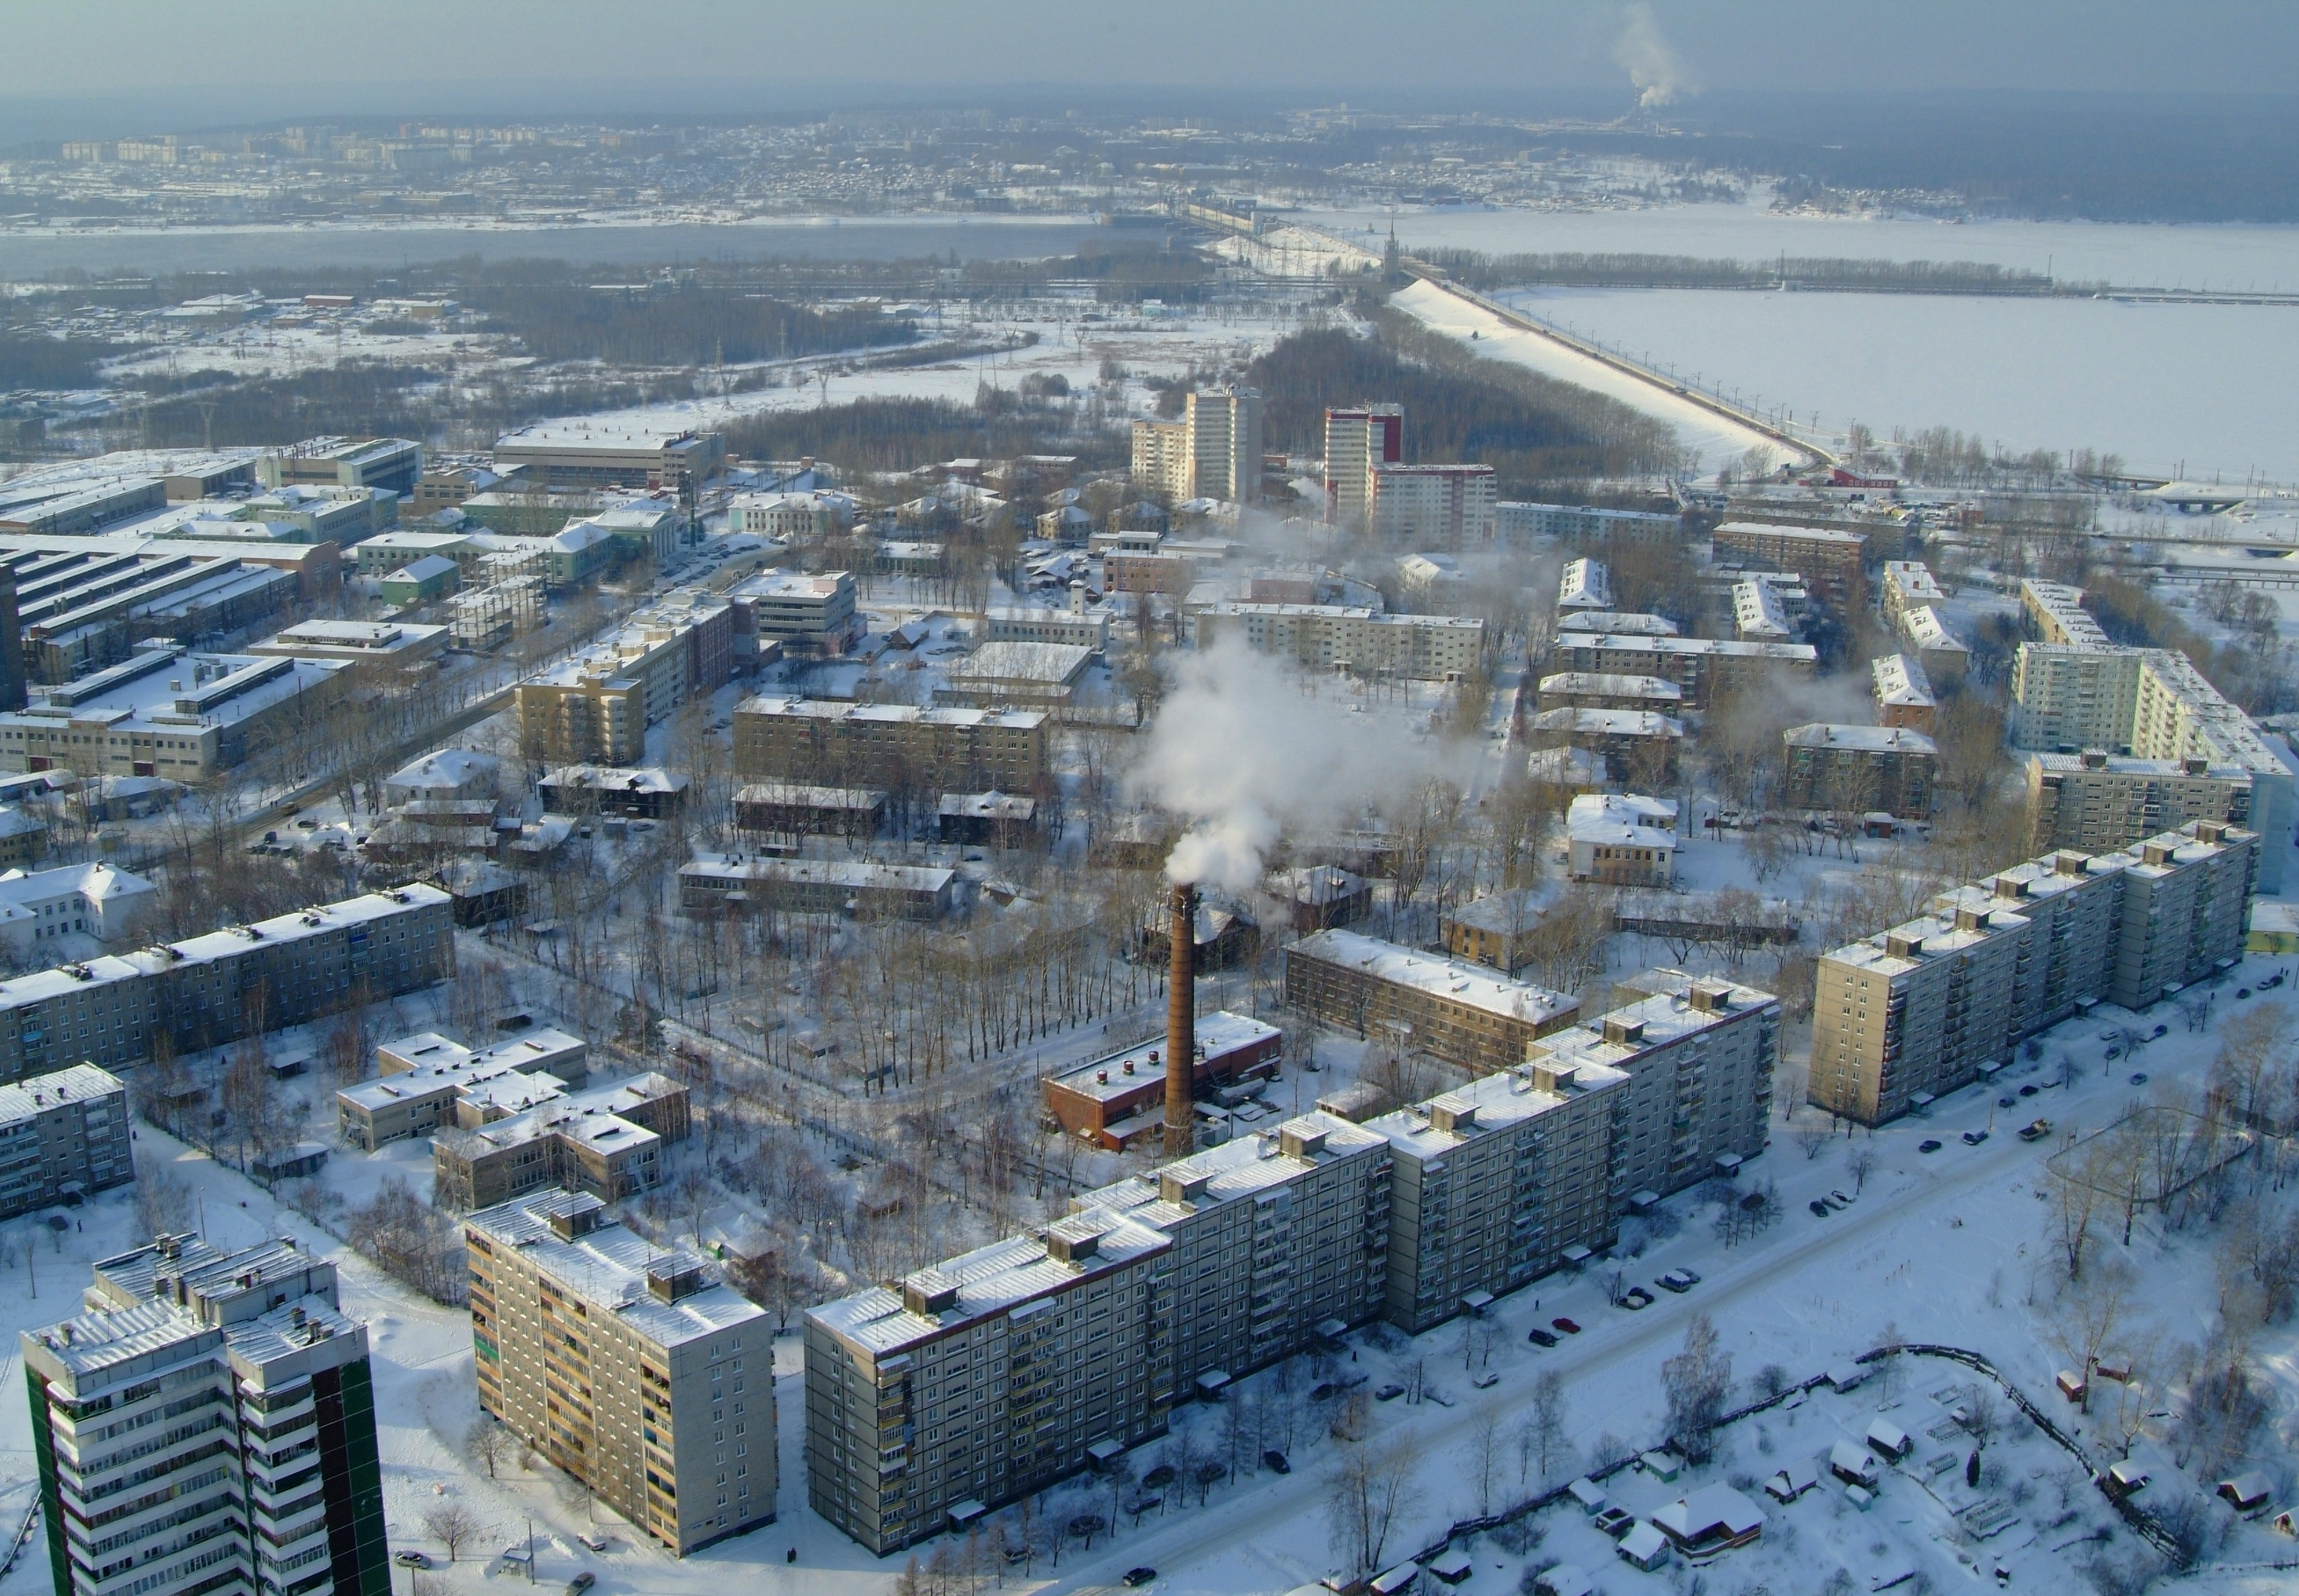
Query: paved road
point(1617, 1345)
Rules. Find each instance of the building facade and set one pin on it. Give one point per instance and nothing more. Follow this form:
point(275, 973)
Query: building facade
point(1699, 1053)
point(2097, 802)
point(1439, 507)
point(62, 1137)
point(606, 1141)
point(1925, 1007)
point(631, 1368)
point(1496, 1184)
point(595, 708)
point(1358, 443)
point(1332, 637)
point(1857, 770)
point(206, 990)
point(1829, 560)
point(890, 747)
point(1463, 1014)
point(207, 1425)
point(1903, 694)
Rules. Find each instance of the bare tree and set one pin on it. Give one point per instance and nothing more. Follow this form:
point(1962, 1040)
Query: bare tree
point(451, 1524)
point(164, 1201)
point(489, 1445)
point(1485, 1448)
point(2088, 1313)
point(1696, 1381)
point(1861, 1163)
point(1371, 1489)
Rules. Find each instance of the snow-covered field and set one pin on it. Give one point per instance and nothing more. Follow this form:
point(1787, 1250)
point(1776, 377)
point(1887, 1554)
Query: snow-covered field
point(2167, 386)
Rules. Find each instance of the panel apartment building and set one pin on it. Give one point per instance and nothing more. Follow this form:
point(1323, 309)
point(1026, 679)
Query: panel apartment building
point(206, 1424)
point(1212, 452)
point(1434, 507)
point(1702, 668)
point(1829, 560)
point(1359, 441)
point(62, 1137)
point(1859, 769)
point(1923, 1008)
point(2076, 691)
point(890, 747)
point(2096, 802)
point(606, 1141)
point(1699, 1053)
point(595, 708)
point(1332, 637)
point(1497, 1183)
point(1464, 1014)
point(210, 989)
point(629, 1366)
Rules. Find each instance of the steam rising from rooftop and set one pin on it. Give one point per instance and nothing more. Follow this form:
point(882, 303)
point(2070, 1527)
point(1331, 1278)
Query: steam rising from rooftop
point(1241, 750)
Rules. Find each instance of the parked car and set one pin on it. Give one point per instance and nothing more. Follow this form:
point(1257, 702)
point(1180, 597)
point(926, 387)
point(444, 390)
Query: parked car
point(2140, 1077)
point(1565, 1327)
point(2005, 1101)
point(411, 1559)
point(1486, 1381)
point(1275, 1461)
point(1931, 1144)
point(595, 1542)
point(2029, 1090)
point(1388, 1392)
point(1973, 1138)
point(1135, 1578)
point(1160, 1477)
point(1637, 1296)
point(1541, 1337)
point(2036, 1131)
point(1840, 1200)
point(1820, 1210)
point(581, 1582)
point(1679, 1281)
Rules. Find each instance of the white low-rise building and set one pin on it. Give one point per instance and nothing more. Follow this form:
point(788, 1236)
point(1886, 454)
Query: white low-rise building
point(40, 906)
point(1585, 585)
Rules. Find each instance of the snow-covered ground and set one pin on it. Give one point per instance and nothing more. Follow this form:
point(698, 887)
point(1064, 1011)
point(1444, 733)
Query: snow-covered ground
point(1714, 440)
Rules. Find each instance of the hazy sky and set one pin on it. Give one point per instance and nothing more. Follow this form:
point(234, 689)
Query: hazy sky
point(380, 54)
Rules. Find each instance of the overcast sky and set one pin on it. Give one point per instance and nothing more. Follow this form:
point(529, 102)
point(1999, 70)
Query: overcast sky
point(369, 56)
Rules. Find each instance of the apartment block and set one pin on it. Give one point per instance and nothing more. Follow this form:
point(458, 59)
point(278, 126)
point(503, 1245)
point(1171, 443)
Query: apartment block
point(630, 1367)
point(1908, 585)
point(2096, 802)
point(207, 990)
point(1332, 637)
point(1758, 615)
point(1640, 742)
point(2055, 612)
point(1699, 1053)
point(1273, 1237)
point(1584, 585)
point(1496, 930)
point(606, 1141)
point(1461, 1012)
point(1583, 527)
point(1574, 689)
point(597, 707)
point(1161, 461)
point(207, 1424)
point(1224, 440)
point(1857, 769)
point(1903, 694)
point(426, 1080)
point(62, 1137)
point(1703, 667)
point(987, 1376)
point(1943, 654)
point(1437, 506)
point(1496, 1184)
point(890, 747)
point(1624, 840)
point(1829, 560)
point(719, 884)
point(1925, 1007)
point(1358, 443)
point(2149, 703)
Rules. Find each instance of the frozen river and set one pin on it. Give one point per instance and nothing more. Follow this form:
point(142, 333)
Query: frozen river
point(2159, 385)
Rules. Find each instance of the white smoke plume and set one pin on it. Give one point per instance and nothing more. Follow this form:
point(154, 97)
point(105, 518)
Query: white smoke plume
point(1241, 751)
point(1660, 77)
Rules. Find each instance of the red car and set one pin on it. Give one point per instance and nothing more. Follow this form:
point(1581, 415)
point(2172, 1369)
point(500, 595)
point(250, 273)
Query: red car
point(1565, 1326)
